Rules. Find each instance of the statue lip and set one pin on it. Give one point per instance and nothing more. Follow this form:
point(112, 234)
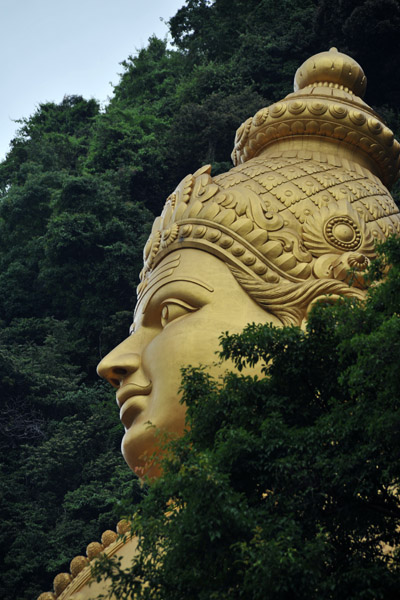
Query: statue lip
point(131, 409)
point(132, 400)
point(128, 390)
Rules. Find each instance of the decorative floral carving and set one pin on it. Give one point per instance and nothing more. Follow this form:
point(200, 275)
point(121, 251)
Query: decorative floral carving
point(66, 584)
point(169, 235)
point(358, 262)
point(243, 131)
point(151, 248)
point(77, 565)
point(260, 117)
point(61, 581)
point(296, 107)
point(337, 228)
point(351, 267)
point(317, 108)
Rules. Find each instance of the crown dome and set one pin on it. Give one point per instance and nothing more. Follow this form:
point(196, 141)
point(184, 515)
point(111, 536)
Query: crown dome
point(324, 113)
point(332, 68)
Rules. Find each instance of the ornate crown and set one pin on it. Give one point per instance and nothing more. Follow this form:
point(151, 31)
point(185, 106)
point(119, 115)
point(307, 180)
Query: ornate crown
point(307, 198)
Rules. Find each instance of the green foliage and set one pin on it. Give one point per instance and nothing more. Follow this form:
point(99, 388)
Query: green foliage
point(368, 30)
point(150, 77)
point(285, 486)
point(271, 39)
point(54, 138)
point(70, 253)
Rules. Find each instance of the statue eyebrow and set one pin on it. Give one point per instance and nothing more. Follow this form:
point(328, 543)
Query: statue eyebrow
point(194, 280)
point(163, 270)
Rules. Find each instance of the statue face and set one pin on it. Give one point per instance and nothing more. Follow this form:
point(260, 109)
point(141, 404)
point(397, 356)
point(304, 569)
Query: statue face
point(190, 299)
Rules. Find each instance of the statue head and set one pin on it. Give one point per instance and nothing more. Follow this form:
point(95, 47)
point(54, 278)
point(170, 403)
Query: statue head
point(295, 220)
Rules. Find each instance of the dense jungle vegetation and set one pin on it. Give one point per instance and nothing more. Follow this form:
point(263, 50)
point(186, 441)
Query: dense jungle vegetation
point(79, 189)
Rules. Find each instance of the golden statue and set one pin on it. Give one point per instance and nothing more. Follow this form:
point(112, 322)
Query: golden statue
point(294, 220)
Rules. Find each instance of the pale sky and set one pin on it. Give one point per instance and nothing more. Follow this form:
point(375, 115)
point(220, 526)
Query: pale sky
point(53, 48)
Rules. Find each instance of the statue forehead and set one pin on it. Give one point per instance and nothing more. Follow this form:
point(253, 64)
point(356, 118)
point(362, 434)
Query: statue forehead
point(188, 266)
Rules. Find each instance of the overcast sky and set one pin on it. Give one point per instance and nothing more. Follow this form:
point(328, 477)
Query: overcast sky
point(53, 48)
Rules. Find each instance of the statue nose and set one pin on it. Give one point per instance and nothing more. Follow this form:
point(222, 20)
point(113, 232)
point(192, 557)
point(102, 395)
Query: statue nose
point(115, 367)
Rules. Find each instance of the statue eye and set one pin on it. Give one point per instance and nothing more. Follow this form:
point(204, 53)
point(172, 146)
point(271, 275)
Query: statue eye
point(174, 309)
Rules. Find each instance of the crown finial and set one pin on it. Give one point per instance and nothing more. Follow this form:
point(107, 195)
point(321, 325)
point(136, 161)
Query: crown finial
point(334, 69)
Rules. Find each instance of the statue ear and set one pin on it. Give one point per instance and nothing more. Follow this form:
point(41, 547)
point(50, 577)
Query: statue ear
point(322, 299)
point(350, 267)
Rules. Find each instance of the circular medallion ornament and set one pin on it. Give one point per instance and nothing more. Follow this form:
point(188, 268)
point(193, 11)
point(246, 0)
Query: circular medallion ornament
point(277, 109)
point(318, 108)
point(343, 233)
point(338, 228)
